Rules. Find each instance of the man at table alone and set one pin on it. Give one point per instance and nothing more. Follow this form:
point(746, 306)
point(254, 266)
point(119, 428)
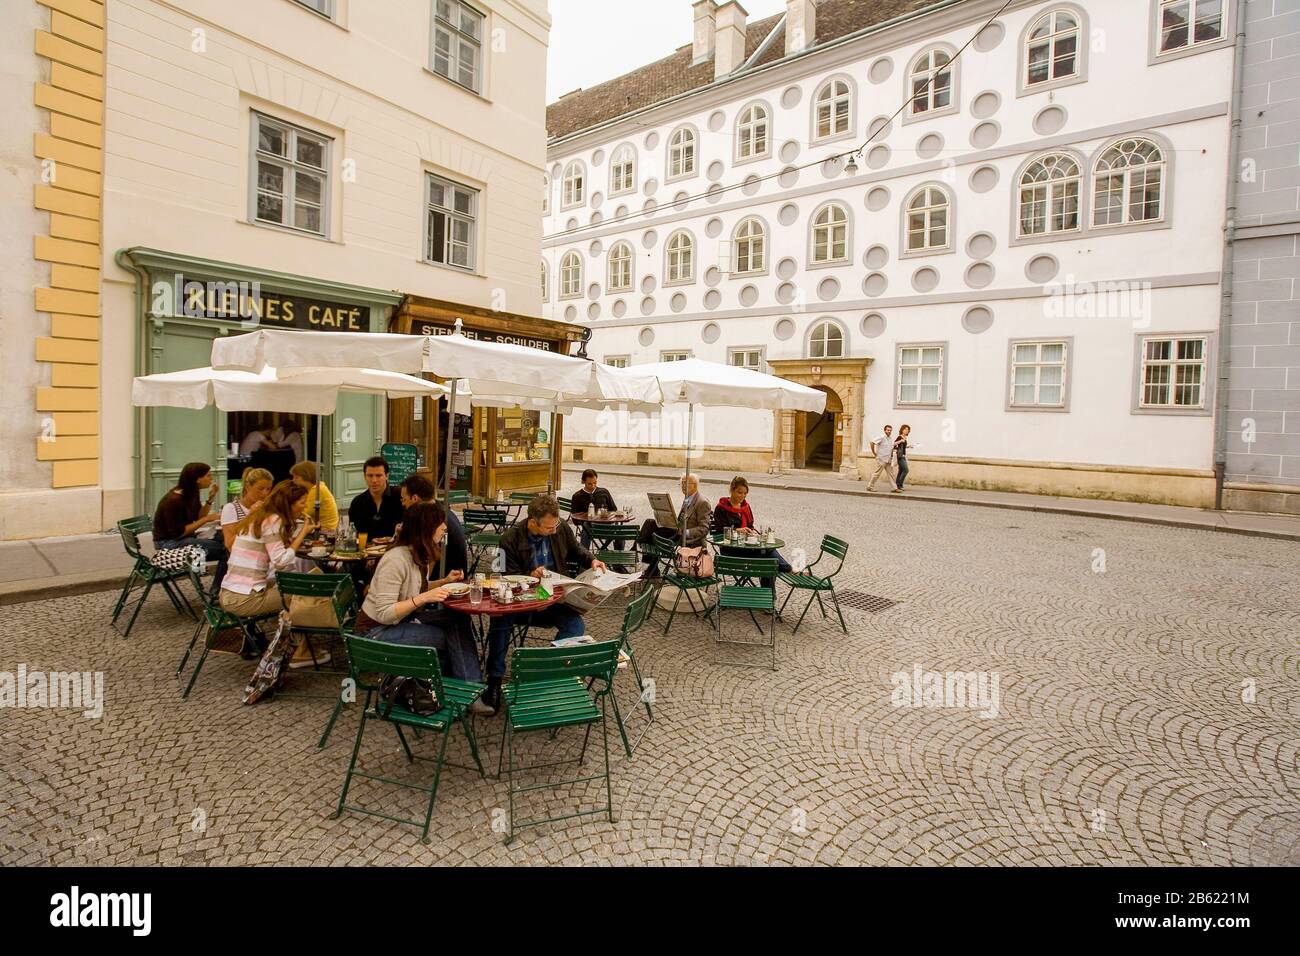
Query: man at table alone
point(376, 510)
point(592, 495)
point(538, 543)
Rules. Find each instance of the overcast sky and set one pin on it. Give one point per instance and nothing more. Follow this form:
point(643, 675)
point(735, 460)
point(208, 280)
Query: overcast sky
point(597, 40)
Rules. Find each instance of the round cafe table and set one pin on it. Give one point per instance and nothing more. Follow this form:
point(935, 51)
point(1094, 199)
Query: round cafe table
point(491, 608)
point(750, 545)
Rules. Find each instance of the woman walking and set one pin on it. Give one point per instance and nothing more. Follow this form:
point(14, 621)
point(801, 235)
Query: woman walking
point(900, 455)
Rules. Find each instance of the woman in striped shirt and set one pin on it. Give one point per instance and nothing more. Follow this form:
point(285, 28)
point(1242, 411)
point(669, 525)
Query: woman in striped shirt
point(265, 542)
point(257, 485)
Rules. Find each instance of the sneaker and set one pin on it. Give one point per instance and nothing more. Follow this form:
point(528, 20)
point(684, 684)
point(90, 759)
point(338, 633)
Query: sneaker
point(302, 658)
point(480, 709)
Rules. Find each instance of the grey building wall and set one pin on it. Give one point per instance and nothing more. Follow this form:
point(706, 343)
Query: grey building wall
point(1264, 375)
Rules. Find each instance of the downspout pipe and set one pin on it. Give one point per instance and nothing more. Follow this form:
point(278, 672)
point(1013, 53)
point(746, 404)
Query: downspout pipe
point(124, 260)
point(1227, 272)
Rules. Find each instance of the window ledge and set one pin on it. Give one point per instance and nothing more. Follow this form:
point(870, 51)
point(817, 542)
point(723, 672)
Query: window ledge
point(288, 230)
point(1055, 409)
point(1047, 237)
point(464, 89)
point(1047, 86)
point(909, 117)
point(458, 270)
point(926, 253)
point(833, 264)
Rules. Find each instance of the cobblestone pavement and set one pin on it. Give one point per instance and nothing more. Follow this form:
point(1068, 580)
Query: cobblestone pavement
point(1147, 713)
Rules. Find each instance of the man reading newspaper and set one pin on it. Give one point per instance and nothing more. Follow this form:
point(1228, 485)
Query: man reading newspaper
point(539, 543)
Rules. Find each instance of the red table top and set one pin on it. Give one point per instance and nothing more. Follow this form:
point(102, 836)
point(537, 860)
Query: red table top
point(615, 518)
point(492, 609)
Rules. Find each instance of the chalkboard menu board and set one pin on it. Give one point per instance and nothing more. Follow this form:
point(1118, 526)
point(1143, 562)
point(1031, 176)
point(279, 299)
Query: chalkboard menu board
point(403, 460)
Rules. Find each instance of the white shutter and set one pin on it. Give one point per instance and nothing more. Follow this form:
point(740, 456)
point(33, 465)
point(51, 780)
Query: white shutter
point(724, 257)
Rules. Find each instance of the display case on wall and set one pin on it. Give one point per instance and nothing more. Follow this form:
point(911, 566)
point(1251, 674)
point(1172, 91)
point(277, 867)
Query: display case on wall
point(522, 436)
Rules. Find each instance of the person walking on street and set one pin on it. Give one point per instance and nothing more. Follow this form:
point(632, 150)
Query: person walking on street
point(900, 455)
point(883, 448)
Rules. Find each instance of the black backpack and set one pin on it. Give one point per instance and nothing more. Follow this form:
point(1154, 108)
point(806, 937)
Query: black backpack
point(410, 693)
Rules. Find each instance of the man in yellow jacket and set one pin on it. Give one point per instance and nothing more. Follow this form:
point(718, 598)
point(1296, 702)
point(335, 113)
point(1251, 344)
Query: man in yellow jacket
point(304, 474)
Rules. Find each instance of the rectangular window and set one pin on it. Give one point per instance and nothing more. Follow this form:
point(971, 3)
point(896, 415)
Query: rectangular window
point(290, 175)
point(452, 223)
point(458, 43)
point(1173, 372)
point(324, 7)
point(750, 358)
point(920, 374)
point(1187, 23)
point(674, 356)
point(1038, 374)
point(617, 361)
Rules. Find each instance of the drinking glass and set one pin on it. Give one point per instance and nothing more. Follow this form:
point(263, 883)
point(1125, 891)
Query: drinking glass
point(362, 537)
point(476, 592)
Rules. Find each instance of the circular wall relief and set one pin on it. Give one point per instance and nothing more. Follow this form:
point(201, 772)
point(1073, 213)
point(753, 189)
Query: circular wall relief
point(593, 291)
point(649, 238)
point(647, 335)
point(875, 257)
point(649, 206)
point(677, 302)
point(929, 146)
point(880, 127)
point(715, 171)
point(875, 284)
point(556, 171)
point(989, 38)
point(985, 134)
point(881, 70)
point(648, 284)
point(597, 200)
point(984, 178)
point(1042, 268)
point(619, 308)
point(788, 214)
point(713, 228)
point(786, 268)
point(979, 274)
point(878, 156)
point(925, 279)
point(878, 199)
point(572, 223)
point(748, 295)
point(789, 151)
point(978, 318)
point(570, 313)
point(873, 325)
point(651, 140)
point(981, 245)
point(750, 185)
point(832, 167)
point(788, 178)
point(651, 186)
point(986, 104)
point(712, 299)
point(828, 288)
point(648, 305)
point(791, 96)
point(714, 192)
point(712, 276)
point(597, 218)
point(1050, 119)
point(681, 200)
point(597, 157)
point(785, 293)
point(784, 330)
point(717, 120)
point(620, 212)
point(595, 248)
point(593, 310)
point(711, 333)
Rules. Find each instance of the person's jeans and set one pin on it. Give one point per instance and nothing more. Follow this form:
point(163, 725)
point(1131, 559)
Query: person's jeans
point(902, 471)
point(566, 621)
point(454, 644)
point(213, 548)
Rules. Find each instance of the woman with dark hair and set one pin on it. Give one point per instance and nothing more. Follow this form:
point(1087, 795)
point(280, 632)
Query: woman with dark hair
point(184, 510)
point(734, 512)
point(399, 607)
point(900, 454)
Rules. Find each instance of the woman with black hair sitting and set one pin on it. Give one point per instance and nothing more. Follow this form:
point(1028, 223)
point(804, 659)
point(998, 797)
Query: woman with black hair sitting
point(734, 512)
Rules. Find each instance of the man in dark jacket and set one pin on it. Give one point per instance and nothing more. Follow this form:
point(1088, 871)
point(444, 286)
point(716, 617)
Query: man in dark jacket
point(539, 543)
point(418, 488)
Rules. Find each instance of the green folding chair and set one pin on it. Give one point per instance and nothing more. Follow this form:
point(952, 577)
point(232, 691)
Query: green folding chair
point(638, 611)
point(455, 497)
point(523, 497)
point(369, 657)
point(480, 542)
point(605, 538)
point(215, 619)
point(739, 591)
point(341, 592)
point(666, 552)
point(835, 548)
point(144, 575)
point(549, 690)
point(566, 505)
point(484, 519)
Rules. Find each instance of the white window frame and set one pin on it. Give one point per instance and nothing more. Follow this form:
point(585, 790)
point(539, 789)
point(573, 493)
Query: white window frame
point(573, 185)
point(324, 8)
point(622, 261)
point(1052, 194)
point(1037, 405)
point(546, 193)
point(570, 275)
point(1158, 49)
point(674, 273)
point(922, 68)
point(617, 361)
point(546, 282)
point(753, 121)
point(825, 327)
point(617, 178)
point(749, 241)
point(901, 366)
point(456, 38)
point(682, 140)
point(830, 230)
point(453, 215)
point(1126, 183)
point(675, 355)
point(929, 211)
point(1055, 37)
point(829, 99)
point(759, 350)
point(290, 167)
point(1174, 363)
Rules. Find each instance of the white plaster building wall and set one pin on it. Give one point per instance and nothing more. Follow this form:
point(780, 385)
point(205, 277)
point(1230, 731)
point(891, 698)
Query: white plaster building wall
point(1182, 106)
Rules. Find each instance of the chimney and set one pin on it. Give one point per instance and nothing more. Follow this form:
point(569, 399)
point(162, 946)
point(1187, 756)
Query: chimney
point(730, 52)
point(705, 30)
point(800, 25)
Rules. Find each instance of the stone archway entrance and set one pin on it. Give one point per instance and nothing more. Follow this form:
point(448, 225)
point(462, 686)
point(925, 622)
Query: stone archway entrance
point(831, 441)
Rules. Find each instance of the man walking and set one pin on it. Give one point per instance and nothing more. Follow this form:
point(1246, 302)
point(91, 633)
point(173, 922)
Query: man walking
point(883, 449)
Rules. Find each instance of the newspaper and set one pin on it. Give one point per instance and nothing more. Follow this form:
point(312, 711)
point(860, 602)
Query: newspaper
point(590, 589)
point(665, 513)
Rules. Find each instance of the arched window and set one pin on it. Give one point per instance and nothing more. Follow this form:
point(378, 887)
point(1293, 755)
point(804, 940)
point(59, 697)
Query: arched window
point(681, 153)
point(932, 86)
point(750, 244)
point(546, 194)
point(752, 132)
point(1052, 48)
point(830, 234)
point(826, 341)
point(1130, 184)
point(1049, 196)
point(680, 257)
point(622, 170)
point(574, 188)
point(620, 267)
point(927, 213)
point(570, 275)
point(833, 108)
point(545, 285)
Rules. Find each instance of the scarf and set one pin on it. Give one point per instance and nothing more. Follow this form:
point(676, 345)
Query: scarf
point(743, 512)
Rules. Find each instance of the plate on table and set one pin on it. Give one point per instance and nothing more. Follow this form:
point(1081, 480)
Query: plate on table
point(518, 579)
point(457, 589)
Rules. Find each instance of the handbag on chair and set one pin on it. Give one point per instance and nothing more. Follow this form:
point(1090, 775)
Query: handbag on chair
point(693, 562)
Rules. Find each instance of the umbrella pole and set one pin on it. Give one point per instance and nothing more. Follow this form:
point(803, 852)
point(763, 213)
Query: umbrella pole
point(690, 437)
point(446, 475)
point(320, 464)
